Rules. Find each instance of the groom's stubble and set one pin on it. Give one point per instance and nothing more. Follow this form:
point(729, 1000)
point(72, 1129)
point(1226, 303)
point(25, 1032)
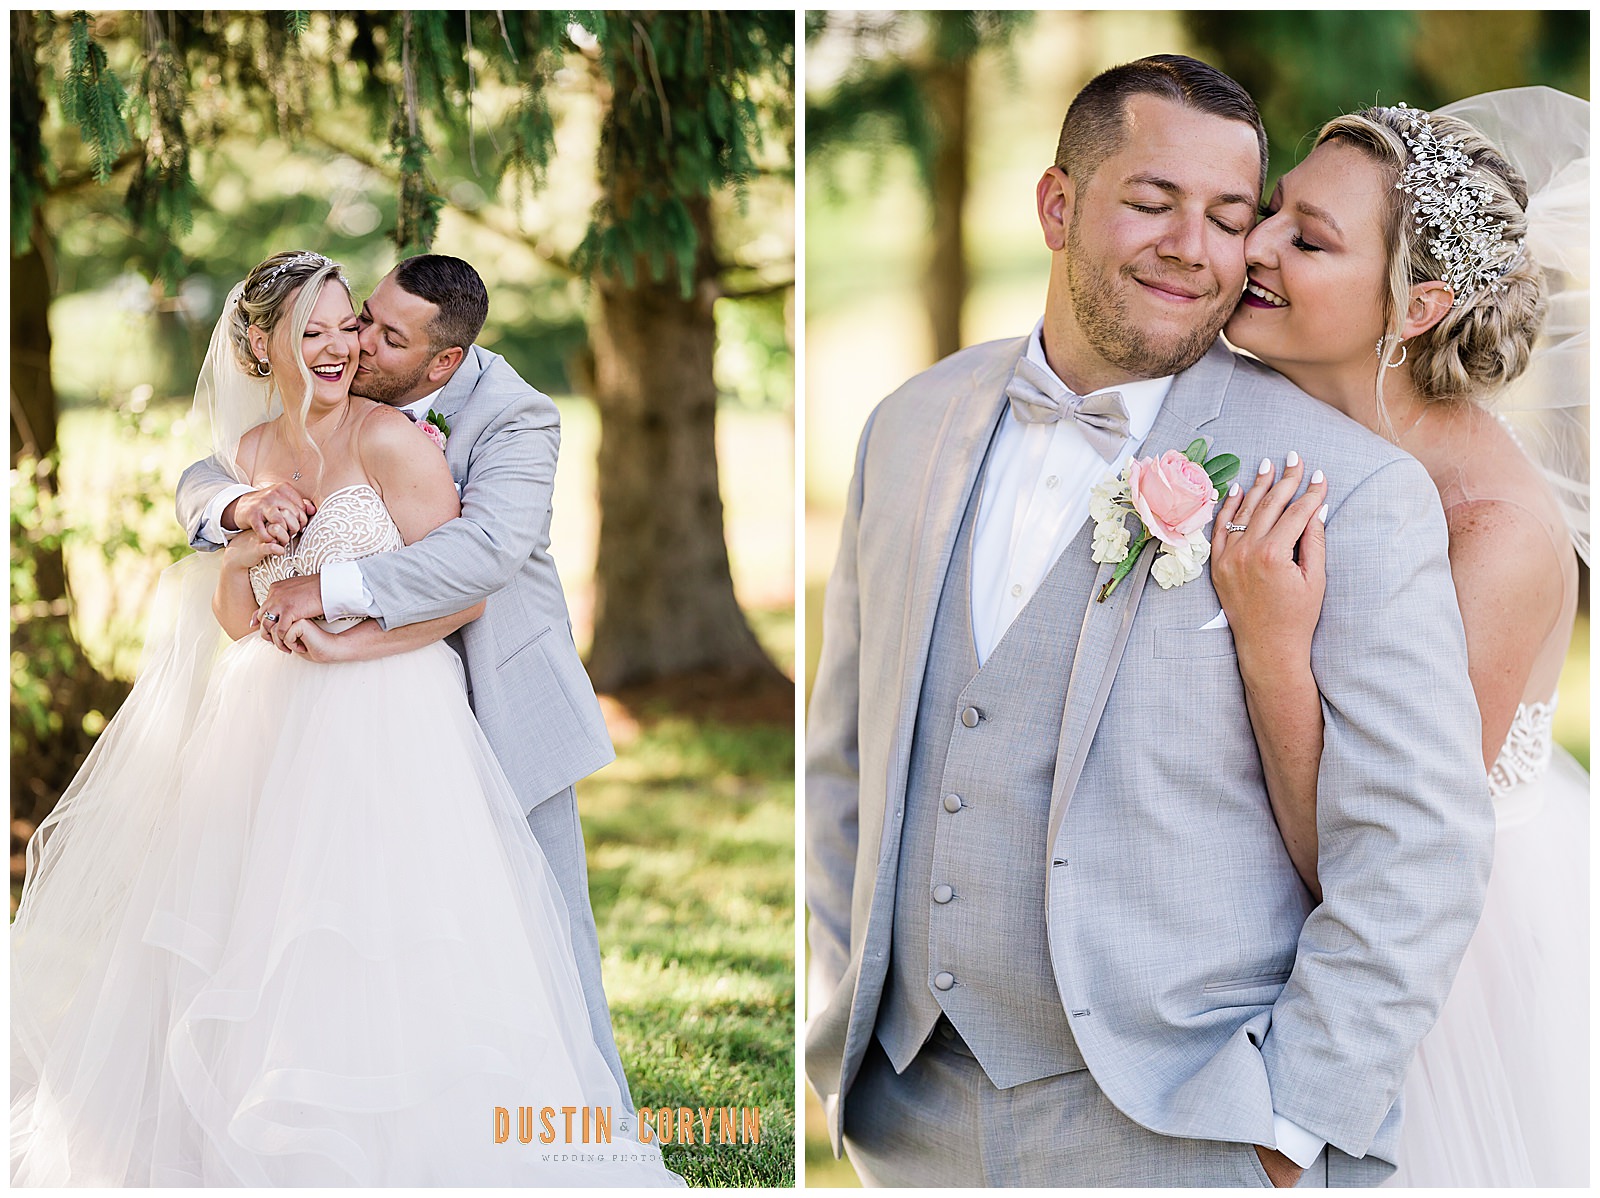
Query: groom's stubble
point(386, 389)
point(1102, 314)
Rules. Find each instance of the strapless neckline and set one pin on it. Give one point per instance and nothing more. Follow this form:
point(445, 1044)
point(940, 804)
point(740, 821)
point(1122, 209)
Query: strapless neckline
point(350, 523)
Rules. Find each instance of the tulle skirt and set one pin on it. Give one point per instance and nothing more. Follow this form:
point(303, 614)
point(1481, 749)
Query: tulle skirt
point(1499, 1092)
point(315, 943)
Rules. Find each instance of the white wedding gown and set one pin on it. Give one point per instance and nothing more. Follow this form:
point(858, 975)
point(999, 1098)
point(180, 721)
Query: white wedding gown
point(1498, 1094)
point(291, 928)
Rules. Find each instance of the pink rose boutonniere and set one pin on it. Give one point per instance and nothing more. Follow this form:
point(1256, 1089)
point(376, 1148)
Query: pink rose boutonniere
point(436, 427)
point(1174, 496)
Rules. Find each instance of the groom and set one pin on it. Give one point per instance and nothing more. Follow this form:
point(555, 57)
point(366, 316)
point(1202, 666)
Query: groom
point(526, 684)
point(1056, 938)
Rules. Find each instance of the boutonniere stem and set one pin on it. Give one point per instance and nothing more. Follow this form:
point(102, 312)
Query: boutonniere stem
point(1173, 496)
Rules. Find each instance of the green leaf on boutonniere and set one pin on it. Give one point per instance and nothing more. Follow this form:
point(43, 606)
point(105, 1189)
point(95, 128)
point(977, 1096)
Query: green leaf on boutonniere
point(1121, 572)
point(1221, 469)
point(438, 422)
point(1196, 451)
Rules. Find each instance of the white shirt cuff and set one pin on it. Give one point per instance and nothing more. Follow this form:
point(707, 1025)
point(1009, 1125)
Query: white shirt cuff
point(1295, 1142)
point(344, 593)
point(211, 521)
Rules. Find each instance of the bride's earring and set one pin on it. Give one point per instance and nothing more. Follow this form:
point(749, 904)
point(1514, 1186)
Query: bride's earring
point(263, 367)
point(1401, 361)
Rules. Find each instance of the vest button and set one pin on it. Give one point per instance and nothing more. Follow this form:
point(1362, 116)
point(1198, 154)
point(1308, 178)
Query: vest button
point(943, 981)
point(943, 893)
point(952, 803)
point(969, 717)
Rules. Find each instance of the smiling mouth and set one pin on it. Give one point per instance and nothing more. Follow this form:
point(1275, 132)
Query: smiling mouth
point(1255, 291)
point(1169, 290)
point(331, 373)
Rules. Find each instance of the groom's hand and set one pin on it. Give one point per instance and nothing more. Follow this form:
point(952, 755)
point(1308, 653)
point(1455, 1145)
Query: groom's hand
point(291, 600)
point(1283, 1171)
point(275, 513)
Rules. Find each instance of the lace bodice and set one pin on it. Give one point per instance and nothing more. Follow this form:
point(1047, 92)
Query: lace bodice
point(350, 523)
point(1525, 754)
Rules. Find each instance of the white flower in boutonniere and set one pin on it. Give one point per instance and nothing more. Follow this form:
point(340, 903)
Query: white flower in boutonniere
point(1111, 540)
point(436, 427)
point(1173, 496)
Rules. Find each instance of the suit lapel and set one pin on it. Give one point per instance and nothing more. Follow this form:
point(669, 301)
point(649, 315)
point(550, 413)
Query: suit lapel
point(449, 402)
point(459, 389)
point(1194, 400)
point(971, 414)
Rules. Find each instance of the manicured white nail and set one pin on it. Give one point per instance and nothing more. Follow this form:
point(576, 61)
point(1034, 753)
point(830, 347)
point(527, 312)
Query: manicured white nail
point(1322, 513)
point(1233, 491)
point(1293, 460)
point(1266, 466)
point(1316, 477)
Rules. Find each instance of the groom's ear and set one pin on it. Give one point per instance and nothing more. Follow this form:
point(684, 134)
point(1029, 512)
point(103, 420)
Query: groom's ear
point(1429, 304)
point(1054, 196)
point(444, 363)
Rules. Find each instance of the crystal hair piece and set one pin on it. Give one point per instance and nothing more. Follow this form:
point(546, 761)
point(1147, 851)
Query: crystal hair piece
point(304, 258)
point(1450, 197)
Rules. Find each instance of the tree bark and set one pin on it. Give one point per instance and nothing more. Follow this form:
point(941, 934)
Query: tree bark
point(33, 395)
point(664, 600)
point(948, 85)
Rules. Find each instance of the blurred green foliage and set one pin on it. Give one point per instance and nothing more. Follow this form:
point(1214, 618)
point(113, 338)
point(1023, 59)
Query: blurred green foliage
point(1427, 59)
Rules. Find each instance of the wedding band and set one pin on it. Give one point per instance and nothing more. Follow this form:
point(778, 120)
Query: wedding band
point(271, 617)
point(1232, 527)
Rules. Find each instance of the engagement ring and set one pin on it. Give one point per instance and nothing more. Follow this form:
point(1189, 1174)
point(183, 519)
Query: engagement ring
point(1231, 527)
point(271, 617)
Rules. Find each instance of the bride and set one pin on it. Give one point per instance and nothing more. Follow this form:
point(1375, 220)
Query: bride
point(323, 955)
point(1401, 274)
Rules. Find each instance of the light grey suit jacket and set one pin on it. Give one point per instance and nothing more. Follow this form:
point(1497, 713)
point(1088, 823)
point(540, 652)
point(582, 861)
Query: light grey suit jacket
point(528, 687)
point(1206, 990)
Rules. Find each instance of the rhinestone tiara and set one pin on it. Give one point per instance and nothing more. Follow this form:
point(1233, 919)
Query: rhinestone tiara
point(304, 258)
point(1450, 198)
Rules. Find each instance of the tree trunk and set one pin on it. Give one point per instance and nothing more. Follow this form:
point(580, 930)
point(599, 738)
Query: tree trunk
point(33, 393)
point(664, 601)
point(948, 86)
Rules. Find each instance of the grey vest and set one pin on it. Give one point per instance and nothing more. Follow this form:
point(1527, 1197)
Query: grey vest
point(969, 932)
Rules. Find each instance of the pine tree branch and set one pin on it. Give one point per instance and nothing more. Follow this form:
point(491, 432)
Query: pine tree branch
point(69, 182)
point(367, 158)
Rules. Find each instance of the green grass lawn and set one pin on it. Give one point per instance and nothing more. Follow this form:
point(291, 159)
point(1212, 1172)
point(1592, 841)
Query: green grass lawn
point(691, 850)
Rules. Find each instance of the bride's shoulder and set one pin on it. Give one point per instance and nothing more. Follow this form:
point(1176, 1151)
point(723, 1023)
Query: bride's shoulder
point(249, 452)
point(1502, 518)
point(388, 444)
point(1478, 465)
point(384, 428)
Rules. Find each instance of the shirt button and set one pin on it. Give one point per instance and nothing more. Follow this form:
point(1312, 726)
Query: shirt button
point(952, 803)
point(1016, 590)
point(943, 981)
point(943, 893)
point(1052, 482)
point(969, 717)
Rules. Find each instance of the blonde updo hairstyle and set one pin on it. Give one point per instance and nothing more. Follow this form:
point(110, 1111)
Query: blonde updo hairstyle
point(1486, 340)
point(278, 296)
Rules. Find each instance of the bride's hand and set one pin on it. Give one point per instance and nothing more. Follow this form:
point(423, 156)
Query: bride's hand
point(249, 548)
point(310, 640)
point(1272, 595)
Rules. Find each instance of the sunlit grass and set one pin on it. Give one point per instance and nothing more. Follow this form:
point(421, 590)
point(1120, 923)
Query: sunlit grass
point(691, 840)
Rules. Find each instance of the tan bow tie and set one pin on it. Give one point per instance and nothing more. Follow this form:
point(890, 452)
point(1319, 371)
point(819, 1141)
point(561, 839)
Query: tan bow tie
point(1038, 397)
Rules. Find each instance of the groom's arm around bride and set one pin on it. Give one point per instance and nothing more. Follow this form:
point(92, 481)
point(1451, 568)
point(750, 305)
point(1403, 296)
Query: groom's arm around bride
point(526, 683)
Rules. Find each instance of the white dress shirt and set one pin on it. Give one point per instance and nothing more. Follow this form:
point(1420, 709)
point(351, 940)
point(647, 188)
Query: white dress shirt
point(343, 591)
point(1035, 499)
